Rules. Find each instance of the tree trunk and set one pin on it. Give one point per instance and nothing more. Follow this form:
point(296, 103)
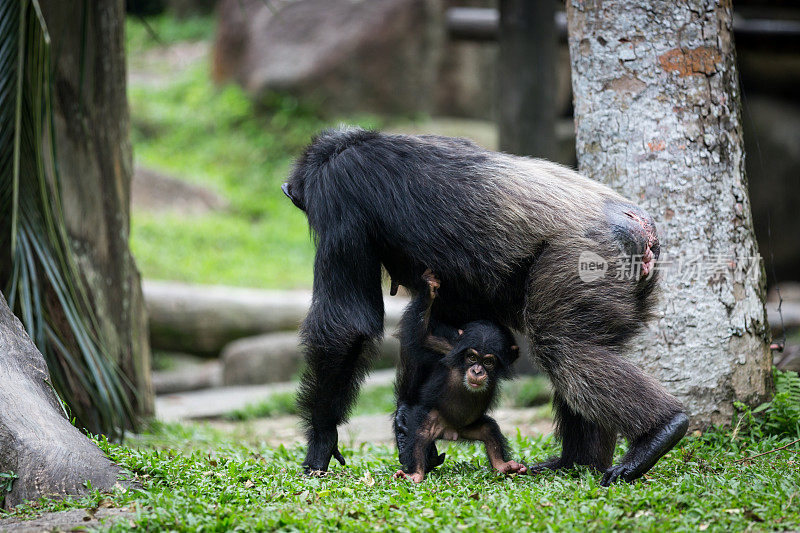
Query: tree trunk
point(95, 167)
point(527, 77)
point(37, 442)
point(657, 118)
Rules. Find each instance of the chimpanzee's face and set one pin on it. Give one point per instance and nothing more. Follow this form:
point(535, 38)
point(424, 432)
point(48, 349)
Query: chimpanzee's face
point(479, 370)
point(482, 353)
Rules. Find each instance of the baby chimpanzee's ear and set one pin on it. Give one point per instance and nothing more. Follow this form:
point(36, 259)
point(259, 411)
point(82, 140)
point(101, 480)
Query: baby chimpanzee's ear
point(514, 353)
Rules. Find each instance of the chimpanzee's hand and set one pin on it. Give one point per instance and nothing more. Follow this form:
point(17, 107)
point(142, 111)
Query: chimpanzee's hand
point(322, 445)
point(433, 283)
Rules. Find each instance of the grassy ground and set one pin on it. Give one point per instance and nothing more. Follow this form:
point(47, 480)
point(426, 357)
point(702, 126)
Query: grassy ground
point(195, 479)
point(186, 126)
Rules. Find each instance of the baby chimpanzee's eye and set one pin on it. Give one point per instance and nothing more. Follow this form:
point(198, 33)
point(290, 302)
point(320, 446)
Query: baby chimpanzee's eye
point(472, 358)
point(488, 361)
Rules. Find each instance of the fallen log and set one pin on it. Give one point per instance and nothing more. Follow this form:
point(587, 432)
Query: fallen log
point(202, 319)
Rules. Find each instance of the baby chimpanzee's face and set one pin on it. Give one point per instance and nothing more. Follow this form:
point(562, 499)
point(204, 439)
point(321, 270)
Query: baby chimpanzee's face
point(483, 353)
point(478, 370)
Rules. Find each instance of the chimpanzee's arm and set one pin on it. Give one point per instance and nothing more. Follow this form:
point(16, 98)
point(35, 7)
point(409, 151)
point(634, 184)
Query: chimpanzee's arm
point(420, 351)
point(345, 319)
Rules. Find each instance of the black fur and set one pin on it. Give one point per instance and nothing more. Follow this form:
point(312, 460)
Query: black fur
point(505, 234)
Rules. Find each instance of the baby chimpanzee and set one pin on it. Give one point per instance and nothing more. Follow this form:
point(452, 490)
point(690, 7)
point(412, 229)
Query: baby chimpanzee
point(447, 381)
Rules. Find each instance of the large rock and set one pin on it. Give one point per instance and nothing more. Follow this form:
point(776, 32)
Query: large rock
point(271, 358)
point(385, 56)
point(188, 377)
point(278, 357)
point(379, 55)
point(201, 319)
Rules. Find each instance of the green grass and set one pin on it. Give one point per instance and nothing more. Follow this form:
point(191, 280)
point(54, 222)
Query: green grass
point(196, 478)
point(216, 137)
point(219, 485)
point(277, 404)
point(372, 400)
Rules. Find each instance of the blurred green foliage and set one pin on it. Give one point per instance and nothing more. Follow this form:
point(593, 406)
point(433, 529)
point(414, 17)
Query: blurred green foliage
point(184, 125)
point(143, 34)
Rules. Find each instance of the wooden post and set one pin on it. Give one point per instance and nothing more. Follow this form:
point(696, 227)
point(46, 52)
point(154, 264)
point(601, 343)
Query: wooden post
point(527, 72)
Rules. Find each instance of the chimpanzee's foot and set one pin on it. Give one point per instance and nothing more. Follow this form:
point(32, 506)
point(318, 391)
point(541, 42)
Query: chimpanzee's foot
point(432, 281)
point(416, 477)
point(647, 450)
point(511, 467)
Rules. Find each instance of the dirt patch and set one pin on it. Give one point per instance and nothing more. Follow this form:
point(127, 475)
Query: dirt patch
point(74, 520)
point(161, 65)
point(286, 430)
point(157, 192)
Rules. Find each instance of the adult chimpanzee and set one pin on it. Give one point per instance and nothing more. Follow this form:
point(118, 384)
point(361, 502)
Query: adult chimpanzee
point(446, 383)
point(506, 235)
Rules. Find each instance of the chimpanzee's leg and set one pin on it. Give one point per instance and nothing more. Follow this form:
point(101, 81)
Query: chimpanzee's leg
point(328, 388)
point(487, 431)
point(582, 442)
point(424, 427)
point(404, 440)
point(578, 330)
point(339, 333)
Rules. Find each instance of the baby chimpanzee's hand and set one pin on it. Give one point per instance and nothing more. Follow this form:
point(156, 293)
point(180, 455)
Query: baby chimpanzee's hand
point(432, 281)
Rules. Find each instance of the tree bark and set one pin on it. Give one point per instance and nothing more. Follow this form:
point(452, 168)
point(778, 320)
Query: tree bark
point(95, 167)
point(658, 118)
point(37, 442)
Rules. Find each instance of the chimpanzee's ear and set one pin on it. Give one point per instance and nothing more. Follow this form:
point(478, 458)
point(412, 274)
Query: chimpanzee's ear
point(514, 351)
point(439, 345)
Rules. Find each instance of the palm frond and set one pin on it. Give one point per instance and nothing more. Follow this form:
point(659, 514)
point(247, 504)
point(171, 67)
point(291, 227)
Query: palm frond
point(38, 272)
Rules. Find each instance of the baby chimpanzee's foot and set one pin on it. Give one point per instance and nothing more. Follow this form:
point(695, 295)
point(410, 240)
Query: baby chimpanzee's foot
point(416, 477)
point(432, 281)
point(511, 467)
